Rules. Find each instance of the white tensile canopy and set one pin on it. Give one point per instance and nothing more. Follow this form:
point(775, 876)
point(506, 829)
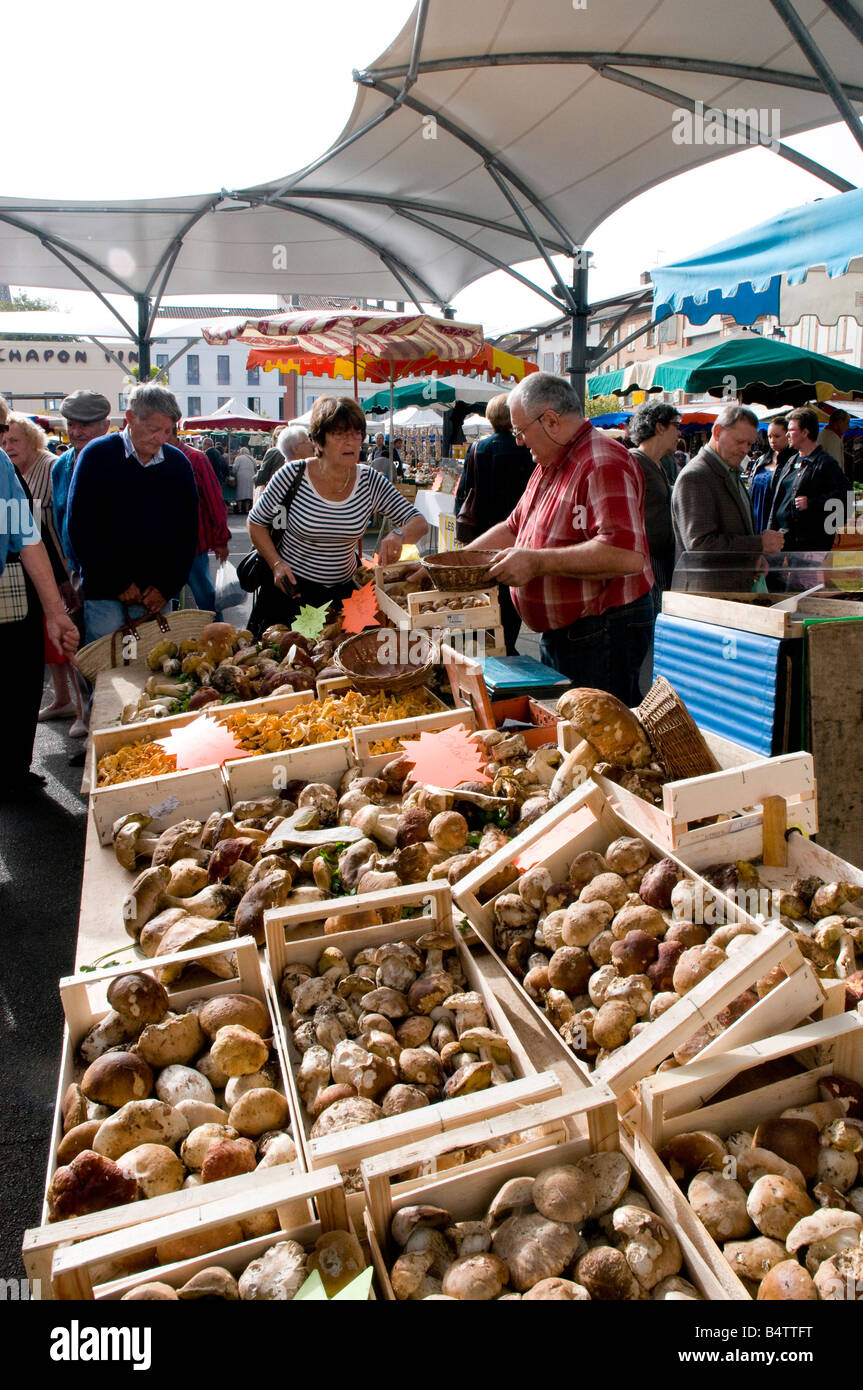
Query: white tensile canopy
point(483, 136)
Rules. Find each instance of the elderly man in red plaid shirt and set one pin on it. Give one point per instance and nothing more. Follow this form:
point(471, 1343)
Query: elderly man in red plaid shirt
point(213, 531)
point(574, 551)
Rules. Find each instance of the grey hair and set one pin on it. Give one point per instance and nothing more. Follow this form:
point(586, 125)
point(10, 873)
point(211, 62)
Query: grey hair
point(148, 400)
point(542, 391)
point(733, 414)
point(293, 442)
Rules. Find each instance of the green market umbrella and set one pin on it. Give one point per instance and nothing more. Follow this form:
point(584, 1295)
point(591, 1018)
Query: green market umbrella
point(766, 370)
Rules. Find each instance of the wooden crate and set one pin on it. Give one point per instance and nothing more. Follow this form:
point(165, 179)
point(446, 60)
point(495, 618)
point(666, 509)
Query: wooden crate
point(176, 795)
point(84, 1004)
point(742, 785)
point(678, 1101)
point(755, 616)
point(467, 1194)
point(79, 1270)
point(586, 821)
point(348, 1147)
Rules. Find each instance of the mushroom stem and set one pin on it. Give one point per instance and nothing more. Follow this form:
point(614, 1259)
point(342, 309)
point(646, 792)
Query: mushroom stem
point(575, 769)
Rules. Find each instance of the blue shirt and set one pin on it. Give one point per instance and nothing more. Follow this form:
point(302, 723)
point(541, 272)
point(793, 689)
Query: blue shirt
point(61, 478)
point(17, 527)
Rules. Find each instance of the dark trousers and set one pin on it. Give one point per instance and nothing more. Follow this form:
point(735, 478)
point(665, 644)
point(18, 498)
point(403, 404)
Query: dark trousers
point(23, 646)
point(273, 606)
point(509, 618)
point(604, 653)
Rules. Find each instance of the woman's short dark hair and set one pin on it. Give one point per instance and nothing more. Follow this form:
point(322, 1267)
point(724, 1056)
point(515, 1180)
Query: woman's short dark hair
point(807, 420)
point(649, 418)
point(330, 414)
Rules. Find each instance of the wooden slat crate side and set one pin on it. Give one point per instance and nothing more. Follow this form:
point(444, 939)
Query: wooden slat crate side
point(791, 775)
point(115, 736)
point(268, 773)
point(725, 612)
point(82, 1012)
point(169, 798)
point(468, 686)
point(275, 1188)
point(368, 734)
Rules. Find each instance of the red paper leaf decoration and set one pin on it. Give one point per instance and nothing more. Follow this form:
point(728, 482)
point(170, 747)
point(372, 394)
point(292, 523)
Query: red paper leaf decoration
point(359, 611)
point(446, 759)
point(202, 743)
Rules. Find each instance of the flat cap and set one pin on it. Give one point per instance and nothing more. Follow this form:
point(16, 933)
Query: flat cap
point(85, 406)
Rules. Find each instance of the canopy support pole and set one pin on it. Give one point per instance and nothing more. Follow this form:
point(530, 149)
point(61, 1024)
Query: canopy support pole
point(124, 366)
point(356, 383)
point(580, 314)
point(791, 19)
point(143, 335)
point(601, 357)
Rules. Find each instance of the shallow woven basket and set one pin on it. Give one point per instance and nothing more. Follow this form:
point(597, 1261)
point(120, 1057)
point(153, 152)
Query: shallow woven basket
point(673, 733)
point(446, 572)
point(114, 650)
point(358, 658)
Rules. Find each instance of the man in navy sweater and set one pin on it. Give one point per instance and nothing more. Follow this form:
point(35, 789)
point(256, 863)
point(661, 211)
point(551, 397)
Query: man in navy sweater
point(133, 516)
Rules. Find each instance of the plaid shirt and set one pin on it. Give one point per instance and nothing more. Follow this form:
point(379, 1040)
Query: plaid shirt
point(592, 491)
point(213, 528)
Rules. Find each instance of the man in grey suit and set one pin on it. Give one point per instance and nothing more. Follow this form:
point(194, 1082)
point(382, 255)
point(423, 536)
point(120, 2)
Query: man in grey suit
point(718, 548)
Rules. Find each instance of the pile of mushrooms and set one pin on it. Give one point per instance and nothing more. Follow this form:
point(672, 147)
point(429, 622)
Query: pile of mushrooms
point(199, 883)
point(275, 1276)
point(389, 1030)
point(784, 1203)
point(812, 909)
point(169, 1100)
point(608, 950)
point(577, 1231)
point(223, 663)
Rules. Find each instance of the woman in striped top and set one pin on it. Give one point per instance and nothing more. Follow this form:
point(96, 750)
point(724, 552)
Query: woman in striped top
point(324, 505)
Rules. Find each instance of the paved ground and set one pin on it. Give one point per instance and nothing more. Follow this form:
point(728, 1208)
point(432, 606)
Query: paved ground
point(41, 859)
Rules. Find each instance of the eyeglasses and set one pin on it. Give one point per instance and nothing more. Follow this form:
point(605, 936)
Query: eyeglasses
point(341, 433)
point(519, 434)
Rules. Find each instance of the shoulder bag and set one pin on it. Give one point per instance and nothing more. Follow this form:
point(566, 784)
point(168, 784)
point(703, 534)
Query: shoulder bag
point(467, 521)
point(253, 570)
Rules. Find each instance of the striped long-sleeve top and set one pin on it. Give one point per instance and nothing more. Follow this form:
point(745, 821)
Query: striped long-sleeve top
point(320, 538)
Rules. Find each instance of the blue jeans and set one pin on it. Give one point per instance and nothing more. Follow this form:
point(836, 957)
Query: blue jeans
point(201, 584)
point(604, 653)
point(102, 616)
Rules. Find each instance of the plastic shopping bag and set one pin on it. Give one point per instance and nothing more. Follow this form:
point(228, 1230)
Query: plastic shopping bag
point(229, 590)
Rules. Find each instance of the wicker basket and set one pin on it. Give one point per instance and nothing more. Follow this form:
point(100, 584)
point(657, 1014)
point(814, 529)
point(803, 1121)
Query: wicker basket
point(446, 572)
point(136, 640)
point(673, 733)
point(359, 659)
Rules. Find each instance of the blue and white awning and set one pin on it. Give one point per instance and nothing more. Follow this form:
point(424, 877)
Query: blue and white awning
point(806, 261)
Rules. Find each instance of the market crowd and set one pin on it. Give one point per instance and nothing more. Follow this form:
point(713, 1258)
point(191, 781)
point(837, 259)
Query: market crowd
point(588, 532)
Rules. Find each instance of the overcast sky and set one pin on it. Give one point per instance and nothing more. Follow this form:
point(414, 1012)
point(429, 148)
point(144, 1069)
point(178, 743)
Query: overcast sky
point(105, 101)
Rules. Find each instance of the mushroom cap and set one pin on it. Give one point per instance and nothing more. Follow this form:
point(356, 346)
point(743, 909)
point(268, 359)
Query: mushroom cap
point(776, 1205)
point(474, 1076)
point(518, 1192)
point(557, 1290)
point(475, 1278)
point(116, 1078)
point(607, 724)
point(605, 1273)
point(408, 1219)
point(787, 1281)
point(151, 1293)
point(692, 1152)
point(212, 1283)
point(534, 1248)
point(485, 1040)
point(564, 1193)
point(610, 1173)
point(820, 1226)
point(794, 1139)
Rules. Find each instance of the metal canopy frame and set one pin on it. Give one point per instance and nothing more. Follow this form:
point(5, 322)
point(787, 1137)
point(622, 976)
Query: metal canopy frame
point(537, 228)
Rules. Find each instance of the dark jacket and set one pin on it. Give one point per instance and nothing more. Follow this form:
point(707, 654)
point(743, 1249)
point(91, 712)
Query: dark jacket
point(657, 518)
point(129, 524)
point(819, 479)
point(762, 483)
point(270, 464)
point(501, 471)
point(717, 544)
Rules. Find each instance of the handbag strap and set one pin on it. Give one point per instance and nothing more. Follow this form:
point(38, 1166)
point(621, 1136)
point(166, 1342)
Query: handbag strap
point(293, 489)
point(130, 629)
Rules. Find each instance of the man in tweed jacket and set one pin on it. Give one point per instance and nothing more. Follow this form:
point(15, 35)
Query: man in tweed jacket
point(718, 548)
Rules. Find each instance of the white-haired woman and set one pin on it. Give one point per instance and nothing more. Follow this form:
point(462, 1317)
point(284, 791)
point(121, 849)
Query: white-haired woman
point(25, 444)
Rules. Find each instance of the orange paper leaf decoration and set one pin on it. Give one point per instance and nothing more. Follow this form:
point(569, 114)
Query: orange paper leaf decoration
point(370, 564)
point(359, 611)
point(202, 743)
point(446, 759)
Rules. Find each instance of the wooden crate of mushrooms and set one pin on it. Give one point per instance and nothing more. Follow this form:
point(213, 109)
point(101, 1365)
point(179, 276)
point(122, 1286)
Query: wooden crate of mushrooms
point(577, 1220)
point(604, 740)
point(629, 955)
point(770, 1178)
point(370, 1063)
point(815, 894)
point(163, 1260)
point(164, 1087)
